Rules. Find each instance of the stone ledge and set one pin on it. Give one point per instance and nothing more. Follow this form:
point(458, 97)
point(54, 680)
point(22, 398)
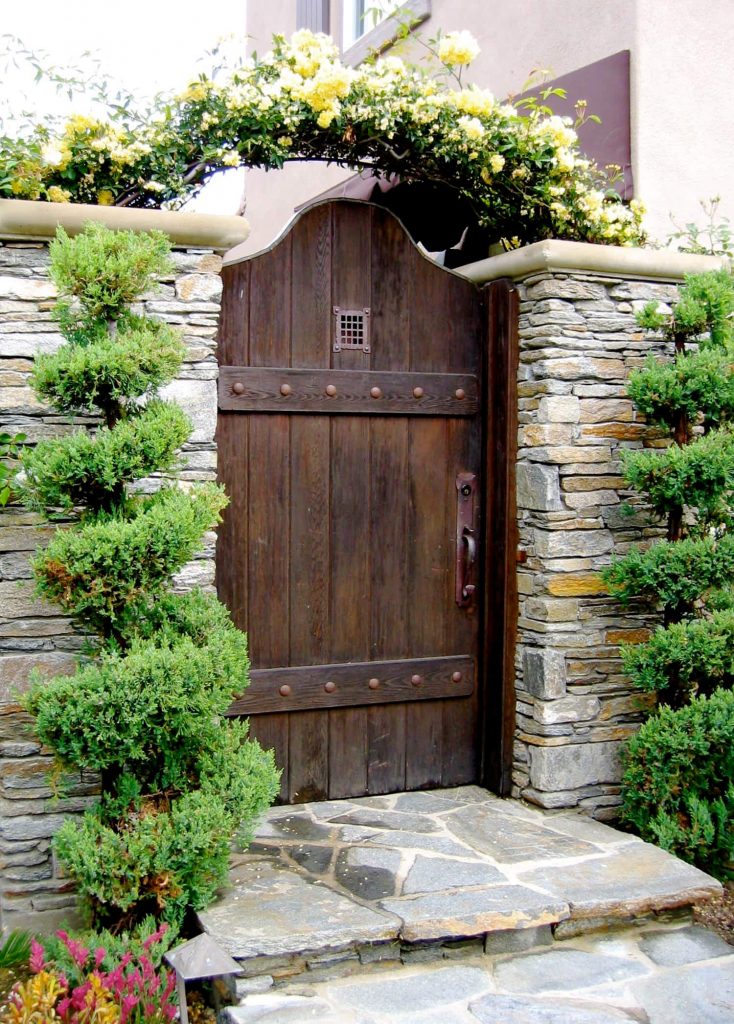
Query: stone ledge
point(559, 256)
point(24, 220)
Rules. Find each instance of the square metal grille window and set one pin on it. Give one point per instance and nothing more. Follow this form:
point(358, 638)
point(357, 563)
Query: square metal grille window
point(351, 329)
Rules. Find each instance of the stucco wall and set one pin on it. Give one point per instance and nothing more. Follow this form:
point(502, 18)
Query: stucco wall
point(682, 145)
point(33, 633)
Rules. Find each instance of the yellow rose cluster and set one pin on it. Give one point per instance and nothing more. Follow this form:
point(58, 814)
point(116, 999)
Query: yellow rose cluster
point(523, 169)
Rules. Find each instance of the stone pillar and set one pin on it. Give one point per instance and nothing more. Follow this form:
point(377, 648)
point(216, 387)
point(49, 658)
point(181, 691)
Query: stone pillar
point(578, 340)
point(34, 636)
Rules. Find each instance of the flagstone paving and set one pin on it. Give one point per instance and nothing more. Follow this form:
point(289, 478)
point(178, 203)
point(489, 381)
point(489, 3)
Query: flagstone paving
point(454, 905)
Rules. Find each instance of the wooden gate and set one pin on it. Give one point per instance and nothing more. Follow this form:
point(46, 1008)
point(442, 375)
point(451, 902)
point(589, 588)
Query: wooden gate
point(366, 508)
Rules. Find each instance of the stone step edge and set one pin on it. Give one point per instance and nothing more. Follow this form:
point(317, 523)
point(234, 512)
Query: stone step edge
point(269, 970)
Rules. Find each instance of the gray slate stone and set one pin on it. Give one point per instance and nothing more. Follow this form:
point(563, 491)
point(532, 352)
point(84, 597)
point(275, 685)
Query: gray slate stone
point(686, 946)
point(281, 1009)
point(274, 912)
point(368, 873)
point(437, 874)
point(563, 970)
point(493, 1009)
point(633, 879)
point(416, 992)
point(473, 912)
point(509, 840)
point(693, 995)
point(377, 818)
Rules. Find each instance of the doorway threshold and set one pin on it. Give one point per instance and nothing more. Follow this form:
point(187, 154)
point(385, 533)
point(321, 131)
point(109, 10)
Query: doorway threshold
point(337, 885)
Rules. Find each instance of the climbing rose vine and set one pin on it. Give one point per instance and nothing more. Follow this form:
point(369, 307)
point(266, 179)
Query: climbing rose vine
point(520, 168)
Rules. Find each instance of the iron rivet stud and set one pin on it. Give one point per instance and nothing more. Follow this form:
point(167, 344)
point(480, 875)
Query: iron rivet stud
point(330, 390)
point(329, 687)
point(417, 392)
point(456, 677)
point(238, 388)
point(285, 690)
point(460, 393)
point(376, 392)
point(416, 680)
point(373, 684)
point(285, 389)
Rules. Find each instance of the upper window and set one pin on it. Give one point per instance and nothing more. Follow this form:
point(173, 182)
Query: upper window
point(361, 16)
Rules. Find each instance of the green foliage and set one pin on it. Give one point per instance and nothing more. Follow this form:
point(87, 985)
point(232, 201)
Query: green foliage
point(704, 308)
point(678, 787)
point(104, 272)
point(674, 576)
point(15, 949)
point(698, 476)
point(155, 708)
point(714, 238)
point(96, 572)
point(81, 468)
point(9, 451)
point(147, 712)
point(80, 378)
point(700, 386)
point(686, 658)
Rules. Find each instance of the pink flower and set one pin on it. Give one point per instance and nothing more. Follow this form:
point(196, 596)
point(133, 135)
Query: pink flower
point(155, 937)
point(99, 954)
point(37, 961)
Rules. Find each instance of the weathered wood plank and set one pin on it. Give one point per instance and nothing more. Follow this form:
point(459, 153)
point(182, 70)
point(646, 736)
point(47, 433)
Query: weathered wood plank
point(309, 506)
point(303, 687)
point(350, 508)
point(371, 393)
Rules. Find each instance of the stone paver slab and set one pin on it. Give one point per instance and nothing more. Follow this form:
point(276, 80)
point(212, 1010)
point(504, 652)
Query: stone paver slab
point(436, 843)
point(510, 840)
point(294, 826)
point(631, 880)
point(686, 946)
point(284, 1009)
point(473, 912)
point(560, 970)
point(494, 1009)
point(437, 874)
point(368, 873)
point(689, 995)
point(275, 912)
point(375, 817)
point(412, 992)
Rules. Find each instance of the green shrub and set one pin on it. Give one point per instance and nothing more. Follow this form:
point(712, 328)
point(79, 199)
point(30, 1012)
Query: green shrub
point(100, 274)
point(678, 781)
point(82, 378)
point(698, 476)
point(677, 575)
point(147, 710)
point(686, 658)
point(93, 470)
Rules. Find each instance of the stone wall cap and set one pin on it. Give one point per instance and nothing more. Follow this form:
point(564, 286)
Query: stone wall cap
point(24, 220)
point(554, 255)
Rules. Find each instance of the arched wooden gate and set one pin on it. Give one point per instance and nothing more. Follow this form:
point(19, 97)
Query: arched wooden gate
point(365, 443)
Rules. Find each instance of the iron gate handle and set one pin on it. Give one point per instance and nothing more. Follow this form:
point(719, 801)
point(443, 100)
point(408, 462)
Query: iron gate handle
point(466, 539)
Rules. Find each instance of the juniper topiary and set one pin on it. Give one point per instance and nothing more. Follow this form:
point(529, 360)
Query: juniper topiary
point(688, 575)
point(145, 709)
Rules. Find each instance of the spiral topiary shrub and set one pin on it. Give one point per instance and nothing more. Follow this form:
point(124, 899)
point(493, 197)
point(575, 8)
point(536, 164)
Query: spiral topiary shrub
point(678, 785)
point(145, 709)
point(679, 781)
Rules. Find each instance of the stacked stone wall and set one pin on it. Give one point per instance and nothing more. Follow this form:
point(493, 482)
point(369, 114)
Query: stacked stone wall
point(578, 343)
point(33, 633)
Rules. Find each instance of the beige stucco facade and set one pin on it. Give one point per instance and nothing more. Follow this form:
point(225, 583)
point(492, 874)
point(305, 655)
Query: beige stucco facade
point(681, 77)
